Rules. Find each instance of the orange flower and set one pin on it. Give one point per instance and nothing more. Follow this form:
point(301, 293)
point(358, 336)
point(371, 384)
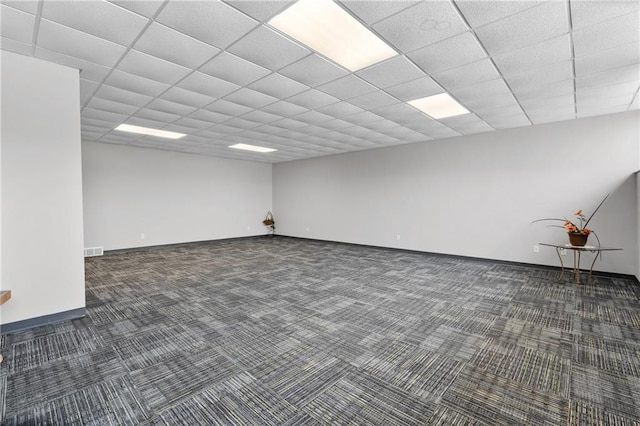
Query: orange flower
point(567, 223)
point(579, 212)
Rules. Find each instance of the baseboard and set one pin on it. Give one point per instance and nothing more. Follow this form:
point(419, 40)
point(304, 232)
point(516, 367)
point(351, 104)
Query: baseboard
point(12, 327)
point(175, 245)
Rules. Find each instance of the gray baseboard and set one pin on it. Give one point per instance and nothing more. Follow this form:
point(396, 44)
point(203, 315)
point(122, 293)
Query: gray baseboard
point(43, 320)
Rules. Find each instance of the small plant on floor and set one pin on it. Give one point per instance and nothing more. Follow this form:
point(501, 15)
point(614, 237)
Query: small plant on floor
point(270, 222)
point(577, 226)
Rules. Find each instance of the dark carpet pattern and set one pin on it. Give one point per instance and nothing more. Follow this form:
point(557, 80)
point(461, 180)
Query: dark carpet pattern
point(281, 331)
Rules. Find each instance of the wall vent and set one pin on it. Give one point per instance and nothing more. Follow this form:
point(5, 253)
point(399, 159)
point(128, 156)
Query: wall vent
point(93, 251)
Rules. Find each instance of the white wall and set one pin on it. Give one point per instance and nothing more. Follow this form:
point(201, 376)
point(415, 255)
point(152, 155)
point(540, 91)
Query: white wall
point(42, 258)
point(169, 197)
point(473, 195)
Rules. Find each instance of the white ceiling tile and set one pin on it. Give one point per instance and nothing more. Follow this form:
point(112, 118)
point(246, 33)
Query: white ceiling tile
point(391, 72)
point(415, 89)
point(545, 53)
point(97, 124)
point(187, 97)
point(260, 10)
point(621, 89)
point(250, 98)
point(212, 22)
point(363, 118)
point(170, 45)
point(466, 75)
point(192, 123)
point(466, 124)
point(554, 101)
point(606, 35)
point(491, 112)
point(612, 76)
point(107, 116)
point(210, 116)
point(284, 109)
point(288, 123)
point(228, 108)
point(525, 28)
point(134, 83)
point(87, 88)
point(29, 6)
point(373, 100)
point(586, 13)
point(442, 132)
point(600, 110)
point(149, 114)
point(267, 48)
point(421, 25)
point(278, 86)
point(260, 117)
point(535, 91)
point(371, 12)
point(207, 85)
point(340, 109)
point(233, 69)
point(508, 121)
point(112, 106)
point(447, 54)
point(550, 115)
point(170, 107)
point(337, 124)
point(607, 59)
point(88, 70)
point(313, 70)
point(312, 99)
point(541, 77)
point(476, 105)
point(81, 45)
point(16, 25)
point(347, 87)
point(99, 18)
point(90, 136)
point(153, 68)
point(122, 96)
point(312, 117)
point(485, 90)
point(479, 13)
point(11, 45)
point(269, 130)
point(147, 8)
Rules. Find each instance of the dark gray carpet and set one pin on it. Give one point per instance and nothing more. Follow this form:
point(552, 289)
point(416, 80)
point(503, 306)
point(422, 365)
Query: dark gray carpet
point(281, 331)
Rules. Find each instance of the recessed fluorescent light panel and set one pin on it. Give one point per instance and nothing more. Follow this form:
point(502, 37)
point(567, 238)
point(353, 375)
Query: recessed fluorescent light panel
point(252, 148)
point(149, 131)
point(328, 29)
point(439, 106)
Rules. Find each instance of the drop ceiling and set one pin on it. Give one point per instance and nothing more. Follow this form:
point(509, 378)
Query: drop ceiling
point(216, 71)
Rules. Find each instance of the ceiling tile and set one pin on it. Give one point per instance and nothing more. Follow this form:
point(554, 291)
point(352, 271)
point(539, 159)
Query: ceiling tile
point(608, 77)
point(607, 59)
point(16, 25)
point(554, 101)
point(340, 109)
point(347, 87)
point(15, 46)
point(29, 6)
point(284, 109)
point(87, 88)
point(146, 8)
point(447, 54)
point(111, 106)
point(260, 10)
point(491, 112)
point(149, 114)
point(372, 12)
point(312, 99)
point(250, 98)
point(278, 86)
point(170, 107)
point(210, 116)
point(363, 118)
point(466, 124)
point(485, 90)
point(122, 96)
point(525, 28)
point(153, 68)
point(608, 34)
point(421, 25)
point(536, 91)
point(228, 108)
point(99, 18)
point(545, 53)
point(550, 115)
point(74, 43)
point(198, 18)
point(479, 13)
point(401, 113)
point(541, 77)
point(313, 70)
point(508, 121)
point(106, 116)
point(373, 100)
point(288, 123)
point(172, 46)
point(586, 13)
point(391, 72)
point(621, 89)
point(233, 69)
point(415, 89)
point(260, 117)
point(466, 75)
point(207, 85)
point(187, 97)
point(267, 48)
point(192, 123)
point(134, 83)
point(312, 117)
point(88, 70)
point(337, 124)
point(600, 110)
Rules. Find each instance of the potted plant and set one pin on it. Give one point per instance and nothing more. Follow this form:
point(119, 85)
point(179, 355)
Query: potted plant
point(270, 222)
point(577, 229)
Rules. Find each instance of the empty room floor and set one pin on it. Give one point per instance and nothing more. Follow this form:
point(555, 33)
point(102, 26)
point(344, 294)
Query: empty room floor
point(284, 331)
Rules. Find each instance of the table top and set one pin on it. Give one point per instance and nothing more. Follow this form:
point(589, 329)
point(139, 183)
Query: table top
point(580, 248)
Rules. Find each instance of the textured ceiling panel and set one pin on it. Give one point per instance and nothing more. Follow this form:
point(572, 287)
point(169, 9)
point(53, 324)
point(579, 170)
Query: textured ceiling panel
point(217, 72)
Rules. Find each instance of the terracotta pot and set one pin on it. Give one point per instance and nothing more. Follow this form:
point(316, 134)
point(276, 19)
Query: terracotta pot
point(577, 239)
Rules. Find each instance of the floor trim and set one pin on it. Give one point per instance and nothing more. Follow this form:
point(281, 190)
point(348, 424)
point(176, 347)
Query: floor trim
point(12, 327)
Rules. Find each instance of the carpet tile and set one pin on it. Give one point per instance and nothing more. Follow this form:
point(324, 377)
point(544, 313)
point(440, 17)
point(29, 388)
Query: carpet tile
point(285, 331)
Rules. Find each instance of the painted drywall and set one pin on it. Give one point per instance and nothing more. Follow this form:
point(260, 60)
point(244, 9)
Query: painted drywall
point(169, 197)
point(42, 258)
point(473, 195)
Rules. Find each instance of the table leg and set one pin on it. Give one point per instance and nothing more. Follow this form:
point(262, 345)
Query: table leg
point(561, 263)
point(591, 269)
point(576, 265)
